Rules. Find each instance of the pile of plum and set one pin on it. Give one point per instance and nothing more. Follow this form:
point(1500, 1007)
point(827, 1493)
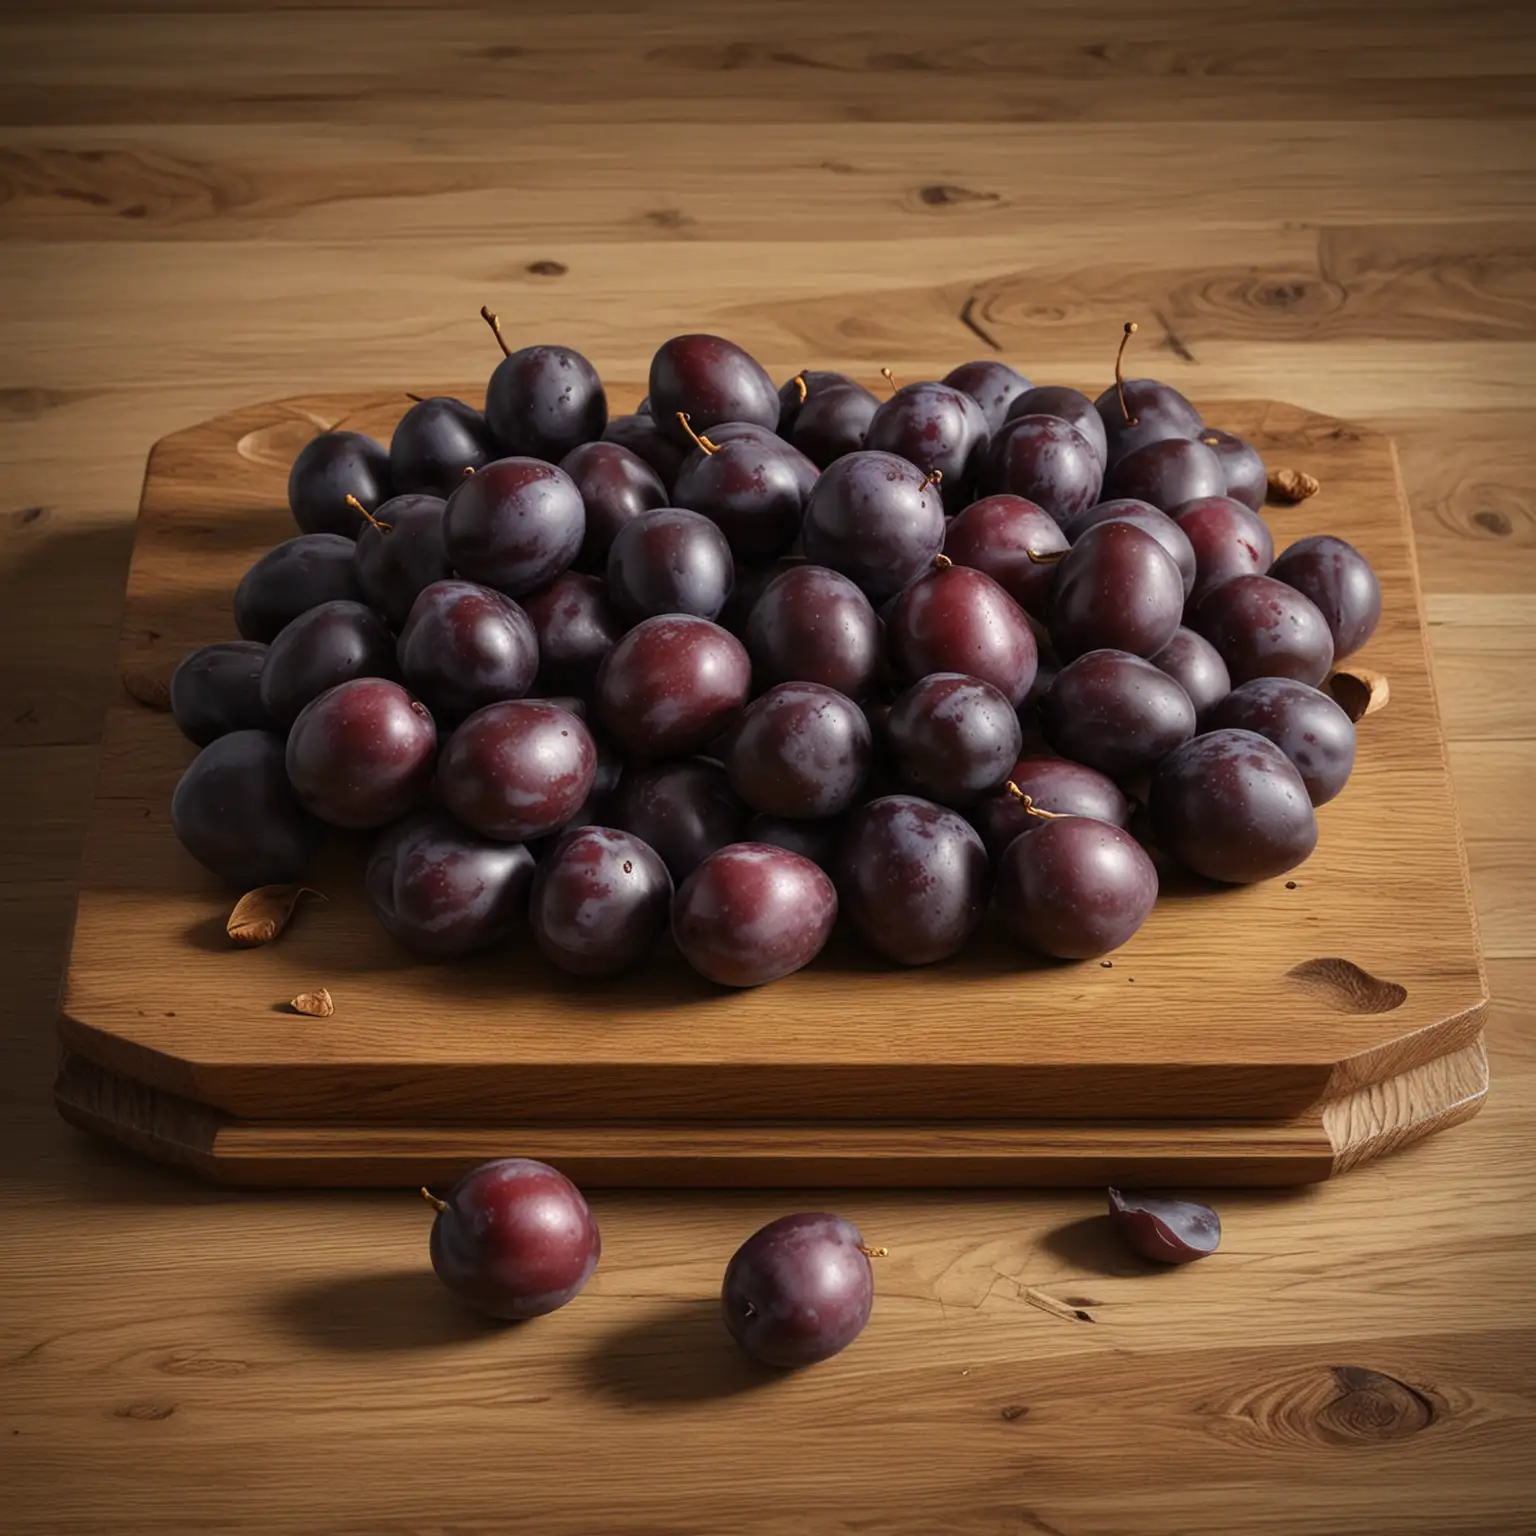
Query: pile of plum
point(750, 657)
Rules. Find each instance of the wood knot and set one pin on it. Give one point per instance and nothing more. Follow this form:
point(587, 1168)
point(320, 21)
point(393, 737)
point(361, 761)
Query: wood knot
point(942, 194)
point(1348, 987)
point(148, 1412)
point(1494, 522)
point(1372, 1406)
point(547, 268)
point(1341, 1405)
point(1013, 1412)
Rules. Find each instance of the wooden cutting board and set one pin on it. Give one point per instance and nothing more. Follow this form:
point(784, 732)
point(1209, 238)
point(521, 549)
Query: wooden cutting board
point(1273, 1034)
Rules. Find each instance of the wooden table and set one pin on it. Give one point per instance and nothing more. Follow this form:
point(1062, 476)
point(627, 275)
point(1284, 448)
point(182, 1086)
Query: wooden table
point(209, 205)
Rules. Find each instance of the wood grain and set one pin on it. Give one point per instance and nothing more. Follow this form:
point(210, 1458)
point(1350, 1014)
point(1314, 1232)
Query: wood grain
point(328, 194)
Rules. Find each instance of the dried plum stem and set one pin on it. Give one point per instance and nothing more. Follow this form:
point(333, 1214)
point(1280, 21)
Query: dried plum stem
point(942, 563)
point(494, 321)
point(934, 477)
point(890, 378)
point(703, 443)
point(432, 1200)
point(368, 516)
point(1125, 410)
point(873, 1253)
point(800, 385)
point(1050, 557)
point(417, 398)
point(1030, 806)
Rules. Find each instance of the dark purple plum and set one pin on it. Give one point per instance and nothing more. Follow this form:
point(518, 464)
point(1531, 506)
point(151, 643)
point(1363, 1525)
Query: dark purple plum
point(751, 489)
point(1231, 806)
point(994, 386)
point(601, 901)
point(1117, 713)
point(466, 646)
point(1247, 480)
point(954, 619)
point(669, 561)
point(1264, 628)
point(875, 518)
point(1308, 726)
point(1071, 405)
point(543, 401)
point(802, 749)
point(445, 891)
point(399, 554)
point(798, 1291)
point(1228, 540)
point(799, 390)
point(328, 470)
point(1339, 581)
point(998, 535)
point(1167, 1231)
point(913, 879)
point(297, 575)
point(1136, 412)
point(518, 769)
point(685, 811)
point(752, 913)
point(813, 625)
point(1139, 514)
point(952, 738)
point(940, 430)
point(805, 472)
point(1196, 665)
point(515, 525)
point(834, 422)
point(361, 755)
point(514, 1239)
point(616, 486)
point(1167, 474)
point(323, 647)
point(751, 582)
point(817, 840)
point(1076, 888)
point(1047, 461)
point(1117, 589)
point(671, 686)
point(1052, 784)
point(434, 443)
point(237, 815)
point(643, 438)
point(576, 627)
point(710, 380)
point(216, 689)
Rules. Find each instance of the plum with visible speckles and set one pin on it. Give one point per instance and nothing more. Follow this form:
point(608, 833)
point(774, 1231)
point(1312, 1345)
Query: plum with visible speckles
point(600, 902)
point(800, 750)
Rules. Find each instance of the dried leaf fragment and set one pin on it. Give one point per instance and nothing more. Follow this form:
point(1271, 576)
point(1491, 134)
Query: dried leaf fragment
point(148, 689)
point(1293, 484)
point(316, 1004)
point(260, 915)
point(1358, 691)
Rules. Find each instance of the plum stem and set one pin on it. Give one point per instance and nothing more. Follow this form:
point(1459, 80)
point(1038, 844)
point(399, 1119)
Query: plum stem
point(800, 385)
point(1125, 410)
point(469, 472)
point(432, 1200)
point(703, 443)
point(873, 1253)
point(1050, 557)
point(1030, 806)
point(493, 320)
point(942, 563)
point(933, 477)
point(368, 516)
point(890, 378)
point(417, 398)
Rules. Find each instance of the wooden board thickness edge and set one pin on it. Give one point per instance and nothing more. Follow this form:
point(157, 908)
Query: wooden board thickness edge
point(1348, 1132)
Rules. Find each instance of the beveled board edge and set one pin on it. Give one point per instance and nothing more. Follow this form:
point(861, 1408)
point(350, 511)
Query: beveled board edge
point(1363, 1125)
